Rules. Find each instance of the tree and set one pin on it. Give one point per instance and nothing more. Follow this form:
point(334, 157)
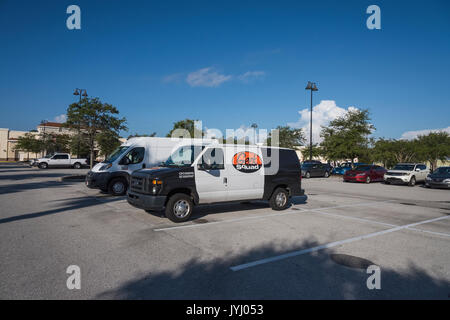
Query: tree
point(316, 151)
point(288, 137)
point(79, 145)
point(188, 125)
point(433, 147)
point(107, 142)
point(347, 137)
point(28, 143)
point(383, 151)
point(94, 117)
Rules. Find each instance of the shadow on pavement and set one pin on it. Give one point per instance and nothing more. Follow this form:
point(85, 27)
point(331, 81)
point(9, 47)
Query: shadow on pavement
point(66, 205)
point(309, 276)
point(201, 211)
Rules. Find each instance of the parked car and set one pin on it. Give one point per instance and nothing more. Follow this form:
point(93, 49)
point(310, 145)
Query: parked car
point(199, 174)
point(344, 167)
point(365, 173)
point(440, 178)
point(315, 169)
point(60, 160)
point(112, 175)
point(407, 173)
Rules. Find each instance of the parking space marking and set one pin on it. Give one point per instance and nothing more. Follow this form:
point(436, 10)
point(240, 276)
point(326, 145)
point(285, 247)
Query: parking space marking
point(331, 244)
point(228, 221)
point(289, 211)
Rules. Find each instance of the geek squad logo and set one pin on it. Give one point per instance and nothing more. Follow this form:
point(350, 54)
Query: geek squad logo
point(247, 162)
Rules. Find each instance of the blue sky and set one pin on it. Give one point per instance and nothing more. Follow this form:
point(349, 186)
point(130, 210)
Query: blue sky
point(228, 63)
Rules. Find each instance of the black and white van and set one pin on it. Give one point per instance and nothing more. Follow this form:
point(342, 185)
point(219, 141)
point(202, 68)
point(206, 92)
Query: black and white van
point(201, 174)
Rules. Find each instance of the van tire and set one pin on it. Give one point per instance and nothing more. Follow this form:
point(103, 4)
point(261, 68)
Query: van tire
point(327, 174)
point(307, 175)
point(412, 181)
point(279, 199)
point(184, 202)
point(77, 165)
point(43, 165)
point(118, 187)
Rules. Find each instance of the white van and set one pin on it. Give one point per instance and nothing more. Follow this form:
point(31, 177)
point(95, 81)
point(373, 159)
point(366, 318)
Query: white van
point(112, 175)
point(198, 174)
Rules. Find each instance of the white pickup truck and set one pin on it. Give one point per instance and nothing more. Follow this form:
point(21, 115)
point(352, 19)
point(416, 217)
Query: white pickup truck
point(61, 160)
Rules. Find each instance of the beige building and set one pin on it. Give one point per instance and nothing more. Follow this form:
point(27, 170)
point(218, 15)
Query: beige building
point(8, 140)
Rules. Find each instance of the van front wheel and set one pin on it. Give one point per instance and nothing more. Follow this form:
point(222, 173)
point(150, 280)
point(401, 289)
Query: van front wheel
point(118, 187)
point(179, 207)
point(280, 199)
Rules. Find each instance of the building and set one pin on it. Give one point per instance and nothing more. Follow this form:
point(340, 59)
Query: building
point(8, 140)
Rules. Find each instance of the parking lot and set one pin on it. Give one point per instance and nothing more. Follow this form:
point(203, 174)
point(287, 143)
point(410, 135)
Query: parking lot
point(319, 248)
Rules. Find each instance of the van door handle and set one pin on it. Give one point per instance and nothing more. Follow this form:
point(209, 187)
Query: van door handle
point(143, 166)
point(225, 180)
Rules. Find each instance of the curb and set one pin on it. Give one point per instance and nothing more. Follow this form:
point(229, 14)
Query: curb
point(80, 177)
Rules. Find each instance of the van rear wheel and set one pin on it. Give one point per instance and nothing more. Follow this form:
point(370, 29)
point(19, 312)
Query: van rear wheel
point(179, 207)
point(279, 199)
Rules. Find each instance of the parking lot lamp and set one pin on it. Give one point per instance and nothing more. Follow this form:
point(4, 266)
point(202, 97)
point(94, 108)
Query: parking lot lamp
point(81, 93)
point(311, 86)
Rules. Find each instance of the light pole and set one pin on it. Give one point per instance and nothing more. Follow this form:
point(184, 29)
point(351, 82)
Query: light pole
point(81, 93)
point(311, 86)
point(44, 123)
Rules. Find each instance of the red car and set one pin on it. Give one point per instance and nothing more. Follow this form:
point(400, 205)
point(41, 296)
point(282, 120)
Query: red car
point(365, 173)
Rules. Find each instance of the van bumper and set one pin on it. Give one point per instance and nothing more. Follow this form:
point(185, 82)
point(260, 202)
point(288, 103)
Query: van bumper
point(146, 201)
point(97, 180)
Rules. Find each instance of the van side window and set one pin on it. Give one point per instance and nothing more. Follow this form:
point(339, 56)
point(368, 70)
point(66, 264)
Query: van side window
point(214, 158)
point(135, 156)
point(422, 167)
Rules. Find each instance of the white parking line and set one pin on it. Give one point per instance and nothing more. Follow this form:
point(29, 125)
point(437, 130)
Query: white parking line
point(330, 245)
point(289, 211)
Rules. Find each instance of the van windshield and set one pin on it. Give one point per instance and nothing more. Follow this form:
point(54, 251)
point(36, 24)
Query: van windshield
point(116, 154)
point(183, 157)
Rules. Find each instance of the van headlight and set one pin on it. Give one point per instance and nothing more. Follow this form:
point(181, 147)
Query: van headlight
point(429, 179)
point(105, 167)
point(446, 181)
point(156, 186)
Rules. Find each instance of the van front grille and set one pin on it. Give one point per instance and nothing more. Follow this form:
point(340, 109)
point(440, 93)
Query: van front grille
point(137, 184)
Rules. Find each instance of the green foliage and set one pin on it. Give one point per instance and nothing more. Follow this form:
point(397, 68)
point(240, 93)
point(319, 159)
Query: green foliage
point(29, 143)
point(189, 125)
point(316, 151)
point(347, 137)
point(288, 137)
point(79, 145)
point(433, 147)
point(92, 117)
point(107, 142)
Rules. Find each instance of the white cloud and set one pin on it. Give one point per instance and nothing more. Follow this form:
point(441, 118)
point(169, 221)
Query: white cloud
point(409, 135)
point(322, 114)
point(61, 118)
point(206, 77)
point(251, 75)
point(175, 77)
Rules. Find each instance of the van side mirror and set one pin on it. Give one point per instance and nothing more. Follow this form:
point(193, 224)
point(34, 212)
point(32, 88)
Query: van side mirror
point(125, 161)
point(417, 169)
